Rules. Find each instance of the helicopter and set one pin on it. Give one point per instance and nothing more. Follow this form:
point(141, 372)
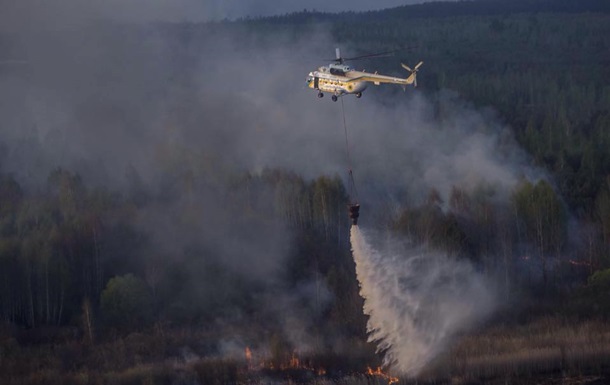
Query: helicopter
point(339, 79)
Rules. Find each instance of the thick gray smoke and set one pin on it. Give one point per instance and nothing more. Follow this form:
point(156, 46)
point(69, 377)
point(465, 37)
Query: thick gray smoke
point(120, 104)
point(127, 106)
point(110, 99)
point(416, 300)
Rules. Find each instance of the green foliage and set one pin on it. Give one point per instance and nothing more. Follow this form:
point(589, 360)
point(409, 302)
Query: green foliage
point(126, 303)
point(428, 225)
point(593, 300)
point(600, 281)
point(543, 218)
point(541, 211)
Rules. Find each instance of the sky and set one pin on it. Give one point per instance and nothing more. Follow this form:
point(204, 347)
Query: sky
point(175, 10)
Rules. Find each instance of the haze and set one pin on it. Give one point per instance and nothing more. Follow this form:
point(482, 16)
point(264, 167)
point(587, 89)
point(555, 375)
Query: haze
point(61, 11)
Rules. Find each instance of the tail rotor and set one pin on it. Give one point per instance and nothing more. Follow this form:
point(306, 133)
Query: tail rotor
point(413, 71)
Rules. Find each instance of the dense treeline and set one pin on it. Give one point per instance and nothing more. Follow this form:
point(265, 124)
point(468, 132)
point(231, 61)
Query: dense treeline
point(67, 249)
point(442, 9)
point(546, 73)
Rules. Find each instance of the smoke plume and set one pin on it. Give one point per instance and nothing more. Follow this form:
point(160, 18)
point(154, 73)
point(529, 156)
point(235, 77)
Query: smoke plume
point(172, 110)
point(416, 300)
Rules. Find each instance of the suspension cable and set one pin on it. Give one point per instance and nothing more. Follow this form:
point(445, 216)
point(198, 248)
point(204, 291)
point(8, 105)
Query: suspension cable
point(353, 193)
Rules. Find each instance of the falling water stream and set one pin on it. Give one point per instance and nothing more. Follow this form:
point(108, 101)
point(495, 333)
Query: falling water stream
point(417, 301)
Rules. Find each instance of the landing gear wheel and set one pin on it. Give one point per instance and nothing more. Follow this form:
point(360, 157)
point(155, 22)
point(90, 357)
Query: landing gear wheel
point(334, 98)
point(359, 95)
point(320, 95)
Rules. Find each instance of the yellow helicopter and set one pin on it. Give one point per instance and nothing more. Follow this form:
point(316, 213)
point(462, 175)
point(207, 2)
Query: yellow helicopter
point(339, 79)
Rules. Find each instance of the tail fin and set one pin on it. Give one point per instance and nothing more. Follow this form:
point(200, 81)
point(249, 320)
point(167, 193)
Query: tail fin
point(412, 79)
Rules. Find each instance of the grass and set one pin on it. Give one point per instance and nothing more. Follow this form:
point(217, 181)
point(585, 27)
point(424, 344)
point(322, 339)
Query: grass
point(547, 347)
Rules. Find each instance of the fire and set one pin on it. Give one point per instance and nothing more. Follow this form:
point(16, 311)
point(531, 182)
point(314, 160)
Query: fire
point(294, 361)
point(249, 357)
point(379, 373)
point(259, 363)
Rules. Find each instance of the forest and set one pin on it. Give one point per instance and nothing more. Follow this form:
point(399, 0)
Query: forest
point(169, 275)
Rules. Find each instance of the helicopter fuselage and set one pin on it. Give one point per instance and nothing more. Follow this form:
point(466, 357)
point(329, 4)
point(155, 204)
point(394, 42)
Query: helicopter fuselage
point(339, 79)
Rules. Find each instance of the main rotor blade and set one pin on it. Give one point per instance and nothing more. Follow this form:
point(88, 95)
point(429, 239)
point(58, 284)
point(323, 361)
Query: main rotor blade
point(418, 65)
point(380, 54)
point(372, 55)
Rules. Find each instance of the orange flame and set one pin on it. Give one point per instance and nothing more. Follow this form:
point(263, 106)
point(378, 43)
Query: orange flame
point(249, 357)
point(380, 373)
point(294, 361)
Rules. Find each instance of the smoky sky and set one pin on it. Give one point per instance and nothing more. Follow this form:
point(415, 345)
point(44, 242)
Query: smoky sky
point(178, 110)
point(61, 13)
point(105, 98)
point(124, 105)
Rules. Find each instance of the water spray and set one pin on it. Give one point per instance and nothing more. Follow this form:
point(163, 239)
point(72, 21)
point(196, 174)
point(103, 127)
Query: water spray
point(417, 301)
